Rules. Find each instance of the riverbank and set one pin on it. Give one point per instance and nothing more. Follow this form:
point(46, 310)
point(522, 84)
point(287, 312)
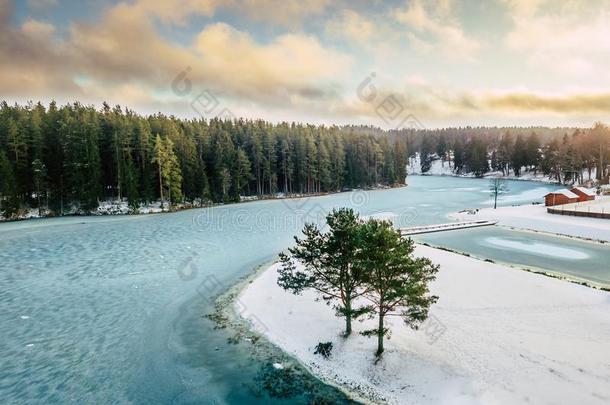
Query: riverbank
point(122, 208)
point(496, 335)
point(536, 218)
point(281, 375)
point(440, 168)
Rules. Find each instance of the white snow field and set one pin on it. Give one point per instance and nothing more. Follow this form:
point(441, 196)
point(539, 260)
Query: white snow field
point(541, 248)
point(598, 206)
point(440, 168)
point(535, 217)
point(496, 336)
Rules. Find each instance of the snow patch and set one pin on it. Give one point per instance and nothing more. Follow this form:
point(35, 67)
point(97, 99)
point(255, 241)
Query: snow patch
point(536, 218)
point(539, 248)
point(493, 322)
point(533, 195)
point(438, 168)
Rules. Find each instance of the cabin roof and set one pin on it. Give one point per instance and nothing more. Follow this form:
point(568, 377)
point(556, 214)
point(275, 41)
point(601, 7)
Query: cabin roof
point(565, 192)
point(586, 191)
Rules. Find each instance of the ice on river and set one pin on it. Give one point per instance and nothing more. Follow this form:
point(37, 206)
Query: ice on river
point(386, 216)
point(539, 248)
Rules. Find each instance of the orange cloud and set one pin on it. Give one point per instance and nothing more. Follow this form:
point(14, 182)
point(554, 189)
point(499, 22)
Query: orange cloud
point(435, 20)
point(123, 51)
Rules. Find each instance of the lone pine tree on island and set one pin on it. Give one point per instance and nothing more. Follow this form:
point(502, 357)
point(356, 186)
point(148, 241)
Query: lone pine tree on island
point(329, 264)
point(363, 267)
point(396, 282)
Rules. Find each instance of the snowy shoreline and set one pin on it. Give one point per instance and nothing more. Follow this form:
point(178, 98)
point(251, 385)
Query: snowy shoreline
point(535, 218)
point(505, 336)
point(531, 269)
point(440, 168)
point(231, 313)
point(113, 208)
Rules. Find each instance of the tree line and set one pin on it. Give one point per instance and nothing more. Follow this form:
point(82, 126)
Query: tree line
point(568, 156)
point(71, 157)
point(61, 157)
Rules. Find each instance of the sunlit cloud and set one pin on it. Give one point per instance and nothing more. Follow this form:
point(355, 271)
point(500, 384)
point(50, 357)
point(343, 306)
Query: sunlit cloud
point(433, 29)
point(545, 62)
point(354, 27)
point(572, 38)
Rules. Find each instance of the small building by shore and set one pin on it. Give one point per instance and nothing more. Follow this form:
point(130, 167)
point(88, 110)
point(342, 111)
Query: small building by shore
point(584, 194)
point(559, 197)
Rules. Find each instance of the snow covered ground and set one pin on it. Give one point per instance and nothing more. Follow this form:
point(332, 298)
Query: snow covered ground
point(535, 217)
point(496, 336)
point(598, 206)
point(105, 208)
point(438, 168)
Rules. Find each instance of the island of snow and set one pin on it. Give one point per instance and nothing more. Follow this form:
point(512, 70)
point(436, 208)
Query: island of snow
point(497, 335)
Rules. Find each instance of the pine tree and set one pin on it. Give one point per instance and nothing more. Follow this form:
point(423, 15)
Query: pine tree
point(338, 162)
point(400, 160)
point(243, 172)
point(169, 174)
point(9, 201)
point(286, 167)
point(425, 154)
point(16, 141)
point(458, 155)
point(80, 140)
point(225, 183)
point(269, 162)
point(53, 158)
point(519, 155)
point(323, 166)
point(328, 264)
point(476, 157)
point(173, 179)
point(311, 170)
point(532, 151)
point(505, 152)
point(159, 158)
point(40, 174)
point(396, 283)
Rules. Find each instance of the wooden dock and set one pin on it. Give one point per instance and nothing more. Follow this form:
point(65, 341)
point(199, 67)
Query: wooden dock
point(452, 226)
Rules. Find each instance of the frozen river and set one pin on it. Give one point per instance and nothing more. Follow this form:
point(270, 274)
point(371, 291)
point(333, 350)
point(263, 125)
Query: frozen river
point(587, 261)
point(110, 310)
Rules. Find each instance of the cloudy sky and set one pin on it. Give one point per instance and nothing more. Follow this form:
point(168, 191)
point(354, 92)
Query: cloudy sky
point(387, 63)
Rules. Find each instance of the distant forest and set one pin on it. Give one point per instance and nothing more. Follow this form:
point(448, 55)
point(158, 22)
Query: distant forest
point(568, 155)
point(74, 155)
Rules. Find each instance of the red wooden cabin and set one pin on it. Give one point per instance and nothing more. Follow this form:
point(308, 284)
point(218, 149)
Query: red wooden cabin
point(559, 197)
point(584, 194)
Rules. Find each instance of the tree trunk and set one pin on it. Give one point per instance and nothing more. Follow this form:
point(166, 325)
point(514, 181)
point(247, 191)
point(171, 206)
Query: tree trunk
point(285, 178)
point(161, 186)
point(380, 334)
point(61, 195)
point(118, 170)
point(348, 318)
point(38, 198)
point(600, 172)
